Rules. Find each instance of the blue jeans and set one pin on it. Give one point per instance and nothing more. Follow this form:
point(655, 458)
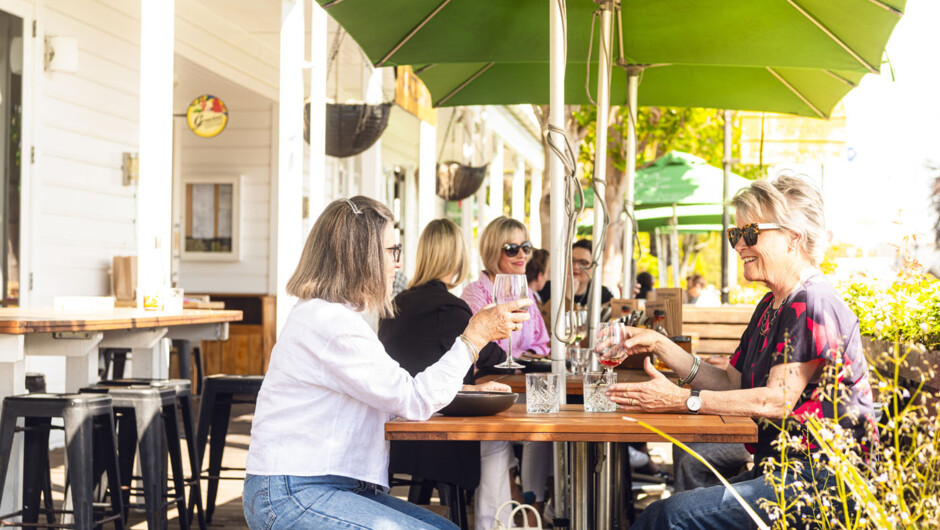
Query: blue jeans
point(714, 507)
point(283, 501)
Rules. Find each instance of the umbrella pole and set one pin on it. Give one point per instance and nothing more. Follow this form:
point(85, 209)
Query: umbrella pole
point(629, 267)
point(556, 237)
point(725, 215)
point(604, 495)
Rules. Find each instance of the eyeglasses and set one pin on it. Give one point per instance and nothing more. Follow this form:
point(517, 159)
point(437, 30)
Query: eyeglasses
point(512, 249)
point(750, 232)
point(396, 252)
point(581, 263)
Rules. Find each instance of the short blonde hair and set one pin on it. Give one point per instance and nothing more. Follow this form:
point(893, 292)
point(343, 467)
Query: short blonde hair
point(442, 255)
point(495, 235)
point(343, 259)
point(791, 202)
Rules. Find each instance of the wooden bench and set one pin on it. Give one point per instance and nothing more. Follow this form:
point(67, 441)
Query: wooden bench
point(718, 329)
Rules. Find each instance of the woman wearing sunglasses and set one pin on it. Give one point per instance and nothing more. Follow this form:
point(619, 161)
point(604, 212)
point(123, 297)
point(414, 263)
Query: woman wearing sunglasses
point(505, 249)
point(318, 456)
point(802, 341)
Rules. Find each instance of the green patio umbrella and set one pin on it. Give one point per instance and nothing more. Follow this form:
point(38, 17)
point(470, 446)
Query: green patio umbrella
point(769, 55)
point(677, 178)
point(682, 179)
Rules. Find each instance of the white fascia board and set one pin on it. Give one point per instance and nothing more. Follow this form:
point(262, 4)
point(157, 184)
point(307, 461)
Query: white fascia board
point(205, 37)
point(504, 124)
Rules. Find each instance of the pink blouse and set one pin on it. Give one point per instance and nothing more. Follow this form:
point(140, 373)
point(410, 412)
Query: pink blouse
point(533, 336)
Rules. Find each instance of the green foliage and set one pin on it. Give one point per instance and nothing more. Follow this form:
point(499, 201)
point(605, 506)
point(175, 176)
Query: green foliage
point(662, 129)
point(906, 310)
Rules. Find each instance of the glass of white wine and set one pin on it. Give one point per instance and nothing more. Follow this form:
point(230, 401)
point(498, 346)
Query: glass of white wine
point(509, 288)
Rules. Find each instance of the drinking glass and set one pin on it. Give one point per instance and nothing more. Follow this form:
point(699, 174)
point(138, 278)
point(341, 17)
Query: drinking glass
point(596, 385)
point(608, 345)
point(579, 358)
point(508, 288)
point(541, 393)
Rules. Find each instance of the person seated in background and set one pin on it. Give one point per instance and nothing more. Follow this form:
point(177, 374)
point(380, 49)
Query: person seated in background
point(582, 264)
point(693, 290)
point(505, 249)
point(645, 281)
point(428, 320)
point(536, 272)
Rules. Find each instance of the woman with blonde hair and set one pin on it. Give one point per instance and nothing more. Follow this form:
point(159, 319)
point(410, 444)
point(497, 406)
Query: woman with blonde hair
point(318, 456)
point(428, 320)
point(505, 249)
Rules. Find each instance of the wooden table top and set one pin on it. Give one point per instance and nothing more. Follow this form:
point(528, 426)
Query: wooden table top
point(15, 320)
point(574, 383)
point(573, 424)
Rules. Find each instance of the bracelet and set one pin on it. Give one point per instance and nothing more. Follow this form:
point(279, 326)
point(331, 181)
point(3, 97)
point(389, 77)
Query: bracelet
point(474, 352)
point(696, 361)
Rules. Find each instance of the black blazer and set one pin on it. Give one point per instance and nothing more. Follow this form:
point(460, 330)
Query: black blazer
point(427, 322)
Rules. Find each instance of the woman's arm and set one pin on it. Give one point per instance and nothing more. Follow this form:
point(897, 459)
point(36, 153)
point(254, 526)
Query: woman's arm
point(709, 377)
point(785, 384)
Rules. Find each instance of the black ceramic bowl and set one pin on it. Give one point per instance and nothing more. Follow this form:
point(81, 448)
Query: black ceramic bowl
point(479, 403)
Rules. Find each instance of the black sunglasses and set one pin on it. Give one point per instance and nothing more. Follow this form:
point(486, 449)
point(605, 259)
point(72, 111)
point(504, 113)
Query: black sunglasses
point(396, 252)
point(750, 232)
point(511, 249)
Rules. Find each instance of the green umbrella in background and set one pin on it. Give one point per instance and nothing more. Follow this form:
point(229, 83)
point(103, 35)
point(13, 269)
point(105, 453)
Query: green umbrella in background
point(682, 179)
point(678, 178)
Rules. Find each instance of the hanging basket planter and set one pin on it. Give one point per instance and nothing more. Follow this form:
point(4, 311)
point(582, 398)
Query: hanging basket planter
point(350, 128)
point(456, 181)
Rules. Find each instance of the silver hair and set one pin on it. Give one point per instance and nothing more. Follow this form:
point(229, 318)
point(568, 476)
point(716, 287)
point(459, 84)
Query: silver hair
point(792, 202)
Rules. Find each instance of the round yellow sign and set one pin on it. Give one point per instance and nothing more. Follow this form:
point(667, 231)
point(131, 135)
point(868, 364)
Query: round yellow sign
point(207, 116)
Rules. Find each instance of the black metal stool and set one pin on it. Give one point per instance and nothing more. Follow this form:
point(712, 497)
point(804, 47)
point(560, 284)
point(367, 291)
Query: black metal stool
point(89, 430)
point(217, 397)
point(36, 384)
point(186, 355)
point(184, 406)
point(139, 410)
point(114, 361)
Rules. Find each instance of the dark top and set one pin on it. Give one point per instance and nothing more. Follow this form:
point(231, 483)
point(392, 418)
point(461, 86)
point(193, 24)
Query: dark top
point(546, 293)
point(812, 323)
point(428, 320)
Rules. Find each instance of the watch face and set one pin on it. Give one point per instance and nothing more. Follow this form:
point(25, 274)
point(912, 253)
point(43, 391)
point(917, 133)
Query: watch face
point(694, 403)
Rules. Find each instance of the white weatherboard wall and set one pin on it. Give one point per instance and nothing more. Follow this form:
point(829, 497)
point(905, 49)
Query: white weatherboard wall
point(243, 148)
point(85, 120)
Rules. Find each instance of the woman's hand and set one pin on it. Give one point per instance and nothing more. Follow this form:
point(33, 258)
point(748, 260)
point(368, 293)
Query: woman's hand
point(495, 322)
point(656, 395)
point(640, 340)
point(489, 386)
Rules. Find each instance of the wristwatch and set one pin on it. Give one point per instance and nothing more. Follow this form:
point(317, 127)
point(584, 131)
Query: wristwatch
point(694, 403)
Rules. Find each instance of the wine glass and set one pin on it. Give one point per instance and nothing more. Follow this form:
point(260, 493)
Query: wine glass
point(509, 288)
point(608, 345)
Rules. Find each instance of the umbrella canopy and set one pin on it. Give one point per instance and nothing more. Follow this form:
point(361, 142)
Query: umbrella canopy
point(799, 91)
point(682, 179)
point(701, 53)
point(677, 178)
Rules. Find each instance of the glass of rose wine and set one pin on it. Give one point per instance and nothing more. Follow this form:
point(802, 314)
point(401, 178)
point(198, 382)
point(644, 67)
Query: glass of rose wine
point(608, 345)
point(508, 288)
